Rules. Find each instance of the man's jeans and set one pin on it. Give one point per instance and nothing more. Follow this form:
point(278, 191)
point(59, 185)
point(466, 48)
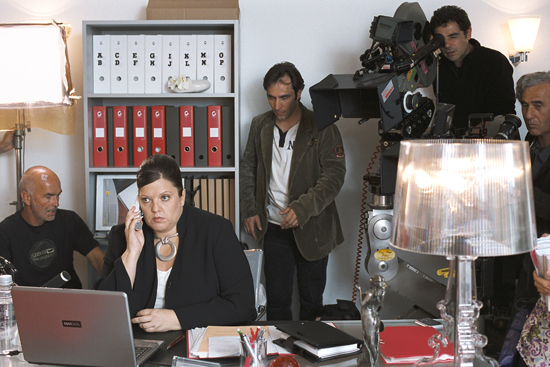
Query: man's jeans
point(282, 257)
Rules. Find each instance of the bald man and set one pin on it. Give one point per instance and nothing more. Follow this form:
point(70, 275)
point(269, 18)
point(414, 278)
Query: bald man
point(39, 240)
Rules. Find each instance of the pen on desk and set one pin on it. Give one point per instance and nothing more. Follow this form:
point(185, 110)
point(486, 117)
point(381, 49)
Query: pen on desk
point(261, 334)
point(176, 341)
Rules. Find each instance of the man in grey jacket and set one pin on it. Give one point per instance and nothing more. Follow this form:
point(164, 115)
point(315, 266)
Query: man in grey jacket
point(290, 175)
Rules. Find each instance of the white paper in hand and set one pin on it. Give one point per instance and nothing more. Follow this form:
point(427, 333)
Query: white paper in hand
point(541, 260)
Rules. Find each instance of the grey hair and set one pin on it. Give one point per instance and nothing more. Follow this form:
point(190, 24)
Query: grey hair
point(531, 80)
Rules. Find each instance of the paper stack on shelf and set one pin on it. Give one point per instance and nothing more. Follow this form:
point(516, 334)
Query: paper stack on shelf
point(541, 260)
point(407, 344)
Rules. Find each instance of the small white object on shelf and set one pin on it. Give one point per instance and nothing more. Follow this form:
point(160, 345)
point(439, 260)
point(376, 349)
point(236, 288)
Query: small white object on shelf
point(184, 84)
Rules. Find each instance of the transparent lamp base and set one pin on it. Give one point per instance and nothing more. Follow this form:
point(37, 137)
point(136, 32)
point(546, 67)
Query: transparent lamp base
point(460, 311)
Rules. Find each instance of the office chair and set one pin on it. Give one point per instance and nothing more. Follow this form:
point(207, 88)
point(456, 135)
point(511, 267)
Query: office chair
point(255, 259)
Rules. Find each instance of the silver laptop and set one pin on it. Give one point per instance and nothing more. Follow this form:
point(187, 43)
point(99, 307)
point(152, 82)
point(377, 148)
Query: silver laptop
point(78, 328)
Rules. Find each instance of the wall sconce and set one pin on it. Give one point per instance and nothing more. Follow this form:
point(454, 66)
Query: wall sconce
point(36, 83)
point(524, 32)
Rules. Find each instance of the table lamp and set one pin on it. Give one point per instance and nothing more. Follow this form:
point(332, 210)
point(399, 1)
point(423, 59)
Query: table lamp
point(36, 83)
point(464, 199)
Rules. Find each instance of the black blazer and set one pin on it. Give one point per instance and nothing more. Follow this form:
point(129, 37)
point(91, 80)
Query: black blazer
point(541, 192)
point(526, 292)
point(210, 282)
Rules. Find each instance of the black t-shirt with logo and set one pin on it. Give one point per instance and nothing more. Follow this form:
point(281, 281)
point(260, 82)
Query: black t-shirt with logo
point(42, 252)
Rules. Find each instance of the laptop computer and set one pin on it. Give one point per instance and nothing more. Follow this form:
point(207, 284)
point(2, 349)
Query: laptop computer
point(78, 328)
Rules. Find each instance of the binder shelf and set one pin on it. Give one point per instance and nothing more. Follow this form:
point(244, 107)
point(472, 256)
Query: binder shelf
point(130, 112)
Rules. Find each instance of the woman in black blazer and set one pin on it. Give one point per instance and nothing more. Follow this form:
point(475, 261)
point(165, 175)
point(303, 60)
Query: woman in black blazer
point(185, 268)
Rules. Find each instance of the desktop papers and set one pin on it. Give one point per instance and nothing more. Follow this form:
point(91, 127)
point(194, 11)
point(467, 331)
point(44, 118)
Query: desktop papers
point(224, 346)
point(223, 341)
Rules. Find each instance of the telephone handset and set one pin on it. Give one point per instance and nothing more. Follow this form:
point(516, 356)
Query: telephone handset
point(139, 225)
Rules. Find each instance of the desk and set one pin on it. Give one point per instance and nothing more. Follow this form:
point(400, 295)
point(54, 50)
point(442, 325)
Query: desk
point(354, 328)
point(351, 327)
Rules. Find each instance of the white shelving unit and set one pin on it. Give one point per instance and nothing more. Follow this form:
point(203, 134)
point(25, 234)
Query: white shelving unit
point(90, 99)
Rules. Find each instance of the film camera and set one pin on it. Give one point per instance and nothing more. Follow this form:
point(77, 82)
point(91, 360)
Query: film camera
point(400, 61)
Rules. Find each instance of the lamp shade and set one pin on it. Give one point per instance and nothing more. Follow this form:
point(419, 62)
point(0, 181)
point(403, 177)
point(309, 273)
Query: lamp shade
point(464, 198)
point(524, 32)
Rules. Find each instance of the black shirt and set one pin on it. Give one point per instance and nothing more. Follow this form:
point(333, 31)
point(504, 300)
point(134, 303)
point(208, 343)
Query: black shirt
point(39, 253)
point(483, 84)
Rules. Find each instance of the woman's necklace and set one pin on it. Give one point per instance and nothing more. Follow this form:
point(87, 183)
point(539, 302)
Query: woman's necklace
point(165, 241)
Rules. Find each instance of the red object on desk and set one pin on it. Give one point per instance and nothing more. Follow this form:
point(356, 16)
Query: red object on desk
point(401, 344)
point(284, 361)
point(176, 341)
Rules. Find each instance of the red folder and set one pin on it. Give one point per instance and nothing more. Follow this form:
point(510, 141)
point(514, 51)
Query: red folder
point(215, 136)
point(407, 344)
point(120, 136)
point(139, 132)
point(187, 136)
point(100, 136)
point(158, 133)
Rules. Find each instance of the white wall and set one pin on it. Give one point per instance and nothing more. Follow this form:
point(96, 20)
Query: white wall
point(319, 36)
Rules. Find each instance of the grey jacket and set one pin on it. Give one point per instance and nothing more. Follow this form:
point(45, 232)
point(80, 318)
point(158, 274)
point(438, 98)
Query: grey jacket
point(316, 176)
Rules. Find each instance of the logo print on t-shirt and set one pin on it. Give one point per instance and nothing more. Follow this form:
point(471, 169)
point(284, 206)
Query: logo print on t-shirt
point(43, 253)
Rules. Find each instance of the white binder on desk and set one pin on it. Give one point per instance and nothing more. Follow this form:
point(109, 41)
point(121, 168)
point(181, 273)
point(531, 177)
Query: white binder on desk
point(136, 63)
point(222, 63)
point(101, 44)
point(119, 64)
point(153, 63)
point(188, 55)
point(205, 59)
point(170, 59)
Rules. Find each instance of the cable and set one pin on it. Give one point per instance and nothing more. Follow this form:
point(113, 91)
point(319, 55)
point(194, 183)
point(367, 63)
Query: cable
point(362, 224)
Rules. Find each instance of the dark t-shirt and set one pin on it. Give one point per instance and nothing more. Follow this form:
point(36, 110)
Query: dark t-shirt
point(42, 252)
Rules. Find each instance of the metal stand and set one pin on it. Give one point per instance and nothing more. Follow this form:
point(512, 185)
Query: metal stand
point(18, 141)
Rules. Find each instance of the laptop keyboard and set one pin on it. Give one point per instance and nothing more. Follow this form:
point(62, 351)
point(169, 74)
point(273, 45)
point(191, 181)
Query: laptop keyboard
point(140, 351)
point(145, 348)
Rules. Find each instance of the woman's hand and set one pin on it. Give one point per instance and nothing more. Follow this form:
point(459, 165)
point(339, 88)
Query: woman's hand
point(543, 285)
point(134, 243)
point(134, 238)
point(154, 320)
